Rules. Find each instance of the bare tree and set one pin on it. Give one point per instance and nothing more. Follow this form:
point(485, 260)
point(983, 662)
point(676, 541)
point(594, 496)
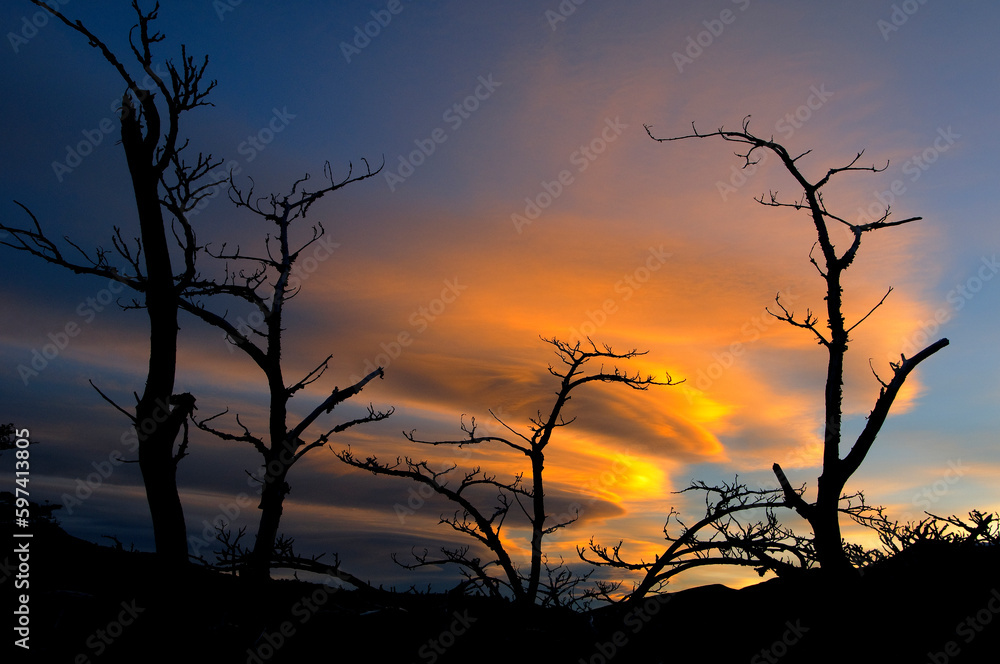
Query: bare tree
point(268, 286)
point(484, 523)
point(149, 137)
point(232, 557)
point(7, 437)
point(823, 514)
point(982, 528)
point(721, 537)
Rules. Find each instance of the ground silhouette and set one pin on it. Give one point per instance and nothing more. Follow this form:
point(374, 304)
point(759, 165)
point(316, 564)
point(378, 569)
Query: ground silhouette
point(933, 602)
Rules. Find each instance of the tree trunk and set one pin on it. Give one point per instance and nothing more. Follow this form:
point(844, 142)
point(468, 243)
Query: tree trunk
point(825, 515)
point(537, 526)
point(271, 501)
point(155, 429)
point(159, 474)
point(825, 522)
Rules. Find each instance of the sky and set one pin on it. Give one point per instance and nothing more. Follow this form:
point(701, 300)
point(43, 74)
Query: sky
point(521, 198)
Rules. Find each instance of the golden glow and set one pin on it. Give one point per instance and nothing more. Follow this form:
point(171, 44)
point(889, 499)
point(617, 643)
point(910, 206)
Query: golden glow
point(707, 410)
point(654, 246)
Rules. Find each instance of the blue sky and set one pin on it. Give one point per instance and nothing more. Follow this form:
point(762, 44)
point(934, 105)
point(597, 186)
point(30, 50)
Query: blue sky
point(533, 95)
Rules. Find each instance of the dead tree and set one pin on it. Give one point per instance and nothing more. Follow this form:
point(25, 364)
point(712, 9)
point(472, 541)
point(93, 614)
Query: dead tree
point(722, 537)
point(149, 138)
point(268, 286)
point(484, 523)
point(981, 529)
point(823, 514)
point(232, 555)
point(7, 437)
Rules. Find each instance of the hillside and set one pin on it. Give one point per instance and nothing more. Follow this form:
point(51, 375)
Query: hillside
point(90, 603)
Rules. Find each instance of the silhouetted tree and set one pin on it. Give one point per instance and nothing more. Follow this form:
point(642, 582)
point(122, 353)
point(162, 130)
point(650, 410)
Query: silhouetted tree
point(149, 138)
point(823, 514)
point(7, 437)
point(268, 286)
point(722, 537)
point(484, 524)
point(982, 528)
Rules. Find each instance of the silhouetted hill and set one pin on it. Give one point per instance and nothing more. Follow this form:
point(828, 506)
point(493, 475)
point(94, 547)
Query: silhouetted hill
point(933, 603)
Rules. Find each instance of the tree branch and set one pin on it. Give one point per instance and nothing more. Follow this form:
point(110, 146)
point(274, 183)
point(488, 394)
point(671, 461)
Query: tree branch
point(881, 410)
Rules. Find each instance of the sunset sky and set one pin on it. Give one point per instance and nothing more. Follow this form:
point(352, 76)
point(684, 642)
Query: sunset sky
point(522, 198)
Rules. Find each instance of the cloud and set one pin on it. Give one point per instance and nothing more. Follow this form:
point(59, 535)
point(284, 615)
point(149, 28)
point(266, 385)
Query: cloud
point(654, 246)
